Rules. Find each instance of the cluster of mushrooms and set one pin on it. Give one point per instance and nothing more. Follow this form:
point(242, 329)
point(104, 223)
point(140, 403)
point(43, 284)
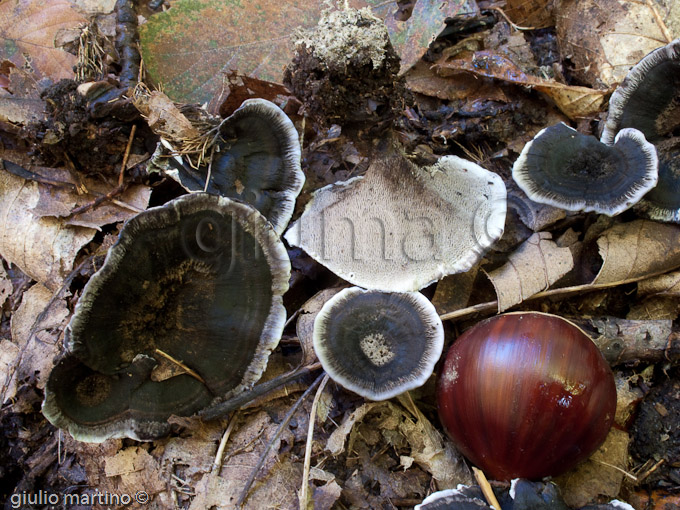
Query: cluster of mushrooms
point(198, 283)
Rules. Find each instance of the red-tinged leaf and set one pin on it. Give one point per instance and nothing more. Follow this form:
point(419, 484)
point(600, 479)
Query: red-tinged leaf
point(27, 32)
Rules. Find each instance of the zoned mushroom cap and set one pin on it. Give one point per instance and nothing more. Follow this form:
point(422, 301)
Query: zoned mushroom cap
point(258, 162)
point(566, 169)
point(200, 279)
point(400, 227)
point(648, 99)
point(378, 344)
point(663, 202)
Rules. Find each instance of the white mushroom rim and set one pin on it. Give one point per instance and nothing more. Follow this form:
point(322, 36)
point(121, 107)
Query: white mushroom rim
point(378, 344)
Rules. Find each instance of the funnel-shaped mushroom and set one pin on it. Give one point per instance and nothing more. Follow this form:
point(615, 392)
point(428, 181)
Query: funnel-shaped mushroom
point(566, 169)
point(258, 162)
point(198, 281)
point(648, 99)
point(378, 344)
point(401, 227)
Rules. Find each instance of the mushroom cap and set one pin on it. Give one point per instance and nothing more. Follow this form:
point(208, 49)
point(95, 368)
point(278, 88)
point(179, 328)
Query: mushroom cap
point(663, 202)
point(258, 162)
point(566, 169)
point(648, 99)
point(400, 228)
point(200, 279)
point(378, 344)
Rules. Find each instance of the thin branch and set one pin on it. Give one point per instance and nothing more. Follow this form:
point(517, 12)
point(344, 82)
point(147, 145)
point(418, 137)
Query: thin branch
point(177, 362)
point(279, 430)
point(308, 447)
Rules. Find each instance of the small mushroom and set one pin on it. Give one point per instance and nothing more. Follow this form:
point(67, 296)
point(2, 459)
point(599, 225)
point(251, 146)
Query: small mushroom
point(663, 202)
point(401, 227)
point(378, 344)
point(258, 162)
point(648, 99)
point(566, 169)
point(198, 281)
point(452, 499)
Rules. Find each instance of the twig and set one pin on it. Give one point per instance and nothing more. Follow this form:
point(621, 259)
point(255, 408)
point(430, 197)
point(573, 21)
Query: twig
point(659, 21)
point(486, 488)
point(588, 287)
point(279, 430)
point(632, 477)
point(126, 155)
point(177, 362)
point(516, 27)
point(217, 464)
point(222, 409)
point(308, 446)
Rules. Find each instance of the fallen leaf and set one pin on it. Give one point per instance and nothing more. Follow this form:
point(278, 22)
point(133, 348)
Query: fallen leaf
point(305, 323)
point(453, 291)
point(27, 31)
point(412, 38)
point(637, 249)
point(601, 475)
point(532, 268)
point(575, 102)
point(6, 286)
point(37, 333)
point(663, 285)
point(534, 215)
point(603, 39)
point(530, 13)
point(9, 353)
point(47, 247)
point(137, 471)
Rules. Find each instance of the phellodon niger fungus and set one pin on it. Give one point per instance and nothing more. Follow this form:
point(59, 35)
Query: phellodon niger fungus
point(399, 227)
point(648, 99)
point(566, 169)
point(526, 395)
point(257, 161)
point(198, 280)
point(378, 344)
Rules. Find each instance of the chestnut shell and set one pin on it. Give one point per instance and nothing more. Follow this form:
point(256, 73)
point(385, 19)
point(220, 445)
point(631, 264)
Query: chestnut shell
point(526, 395)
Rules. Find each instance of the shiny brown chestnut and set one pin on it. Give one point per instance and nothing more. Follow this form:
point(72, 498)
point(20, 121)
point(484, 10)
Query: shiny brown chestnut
point(526, 395)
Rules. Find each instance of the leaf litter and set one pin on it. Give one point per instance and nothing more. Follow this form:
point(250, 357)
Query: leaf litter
point(365, 455)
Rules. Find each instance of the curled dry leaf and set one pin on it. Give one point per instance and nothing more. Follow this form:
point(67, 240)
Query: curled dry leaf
point(532, 268)
point(575, 102)
point(48, 247)
point(640, 248)
point(664, 285)
point(604, 38)
point(530, 13)
point(28, 29)
point(37, 336)
point(601, 475)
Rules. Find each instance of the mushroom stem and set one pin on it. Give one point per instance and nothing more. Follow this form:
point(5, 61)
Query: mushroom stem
point(223, 408)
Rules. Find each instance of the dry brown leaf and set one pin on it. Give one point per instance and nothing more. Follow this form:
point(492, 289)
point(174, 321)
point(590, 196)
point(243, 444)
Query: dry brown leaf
point(530, 13)
point(575, 102)
point(9, 353)
point(600, 475)
point(627, 400)
point(37, 351)
point(305, 322)
point(604, 38)
point(27, 31)
point(655, 308)
point(59, 201)
point(136, 470)
point(336, 442)
point(535, 216)
point(662, 285)
point(43, 248)
point(532, 268)
point(163, 116)
point(453, 291)
point(6, 286)
point(636, 249)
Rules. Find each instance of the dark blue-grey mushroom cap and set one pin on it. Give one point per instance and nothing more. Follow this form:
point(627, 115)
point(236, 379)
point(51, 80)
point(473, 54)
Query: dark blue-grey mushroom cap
point(258, 162)
point(648, 99)
point(200, 279)
point(663, 202)
point(566, 169)
point(378, 344)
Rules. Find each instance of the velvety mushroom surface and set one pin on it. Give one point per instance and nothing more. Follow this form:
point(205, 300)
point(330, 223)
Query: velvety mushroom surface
point(258, 162)
point(566, 169)
point(378, 344)
point(198, 280)
point(401, 227)
point(663, 202)
point(648, 99)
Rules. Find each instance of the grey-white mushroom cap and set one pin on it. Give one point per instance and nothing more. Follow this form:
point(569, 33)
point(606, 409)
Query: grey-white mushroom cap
point(566, 169)
point(378, 344)
point(648, 99)
point(401, 227)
